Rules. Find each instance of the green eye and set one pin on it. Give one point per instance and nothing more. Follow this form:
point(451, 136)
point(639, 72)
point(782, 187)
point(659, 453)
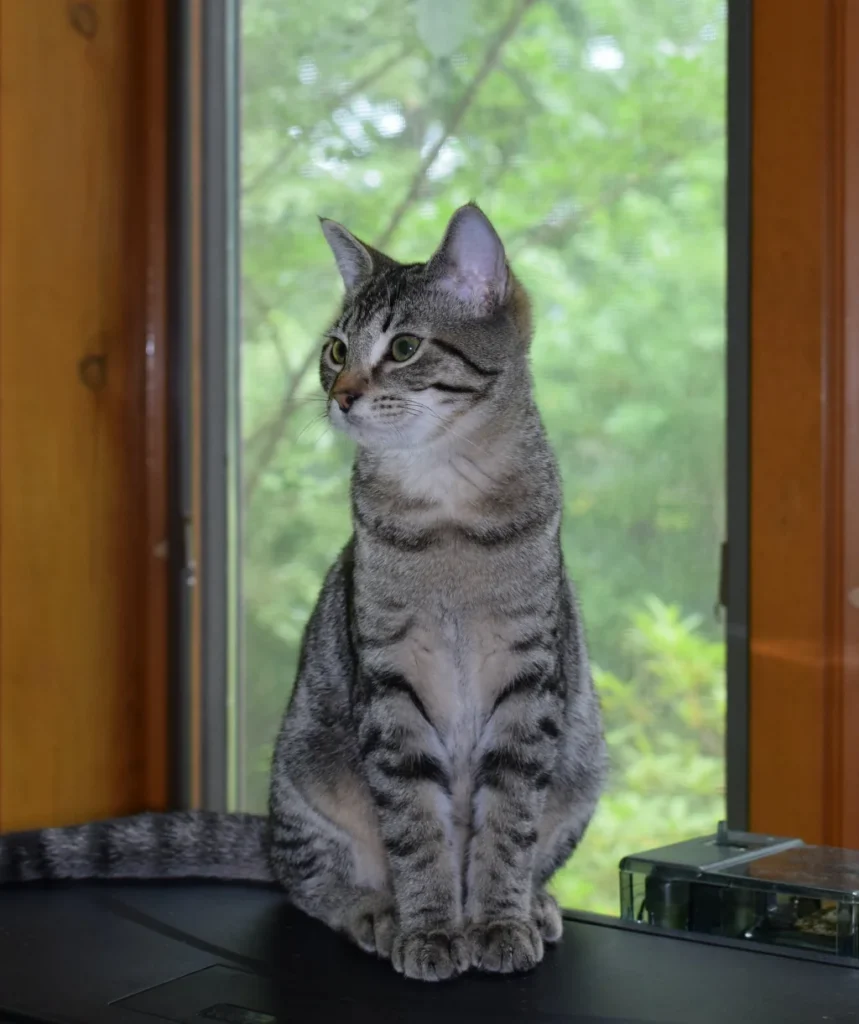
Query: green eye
point(338, 351)
point(404, 347)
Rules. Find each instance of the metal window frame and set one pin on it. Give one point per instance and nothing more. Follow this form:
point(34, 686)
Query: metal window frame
point(204, 178)
point(220, 390)
point(180, 397)
point(738, 371)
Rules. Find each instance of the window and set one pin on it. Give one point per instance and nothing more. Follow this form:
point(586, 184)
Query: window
point(594, 134)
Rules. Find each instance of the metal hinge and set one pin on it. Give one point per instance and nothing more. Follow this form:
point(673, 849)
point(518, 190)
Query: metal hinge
point(189, 569)
point(722, 595)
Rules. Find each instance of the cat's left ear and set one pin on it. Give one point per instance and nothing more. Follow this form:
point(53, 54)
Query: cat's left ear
point(470, 262)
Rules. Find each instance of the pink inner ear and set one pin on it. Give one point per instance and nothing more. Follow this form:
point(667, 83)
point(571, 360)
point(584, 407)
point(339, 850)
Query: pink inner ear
point(473, 261)
point(470, 288)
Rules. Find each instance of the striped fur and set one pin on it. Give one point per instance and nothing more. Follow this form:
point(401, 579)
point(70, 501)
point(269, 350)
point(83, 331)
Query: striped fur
point(442, 751)
point(186, 844)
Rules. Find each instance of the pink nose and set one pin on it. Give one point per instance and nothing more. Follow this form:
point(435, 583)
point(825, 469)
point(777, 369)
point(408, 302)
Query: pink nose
point(346, 399)
point(347, 389)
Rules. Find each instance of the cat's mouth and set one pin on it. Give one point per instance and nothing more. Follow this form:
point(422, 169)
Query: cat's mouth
point(381, 425)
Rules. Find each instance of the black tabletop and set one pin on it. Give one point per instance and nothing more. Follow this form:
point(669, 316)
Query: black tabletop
point(203, 953)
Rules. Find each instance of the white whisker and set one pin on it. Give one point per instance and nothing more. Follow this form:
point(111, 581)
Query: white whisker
point(417, 407)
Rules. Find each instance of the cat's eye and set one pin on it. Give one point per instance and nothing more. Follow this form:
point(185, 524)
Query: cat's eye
point(337, 352)
point(404, 347)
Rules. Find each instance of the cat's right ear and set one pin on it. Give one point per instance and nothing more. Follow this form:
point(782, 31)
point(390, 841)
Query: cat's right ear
point(356, 261)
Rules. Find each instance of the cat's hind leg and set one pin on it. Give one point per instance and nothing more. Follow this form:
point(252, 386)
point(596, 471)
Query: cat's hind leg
point(570, 804)
point(331, 873)
point(547, 916)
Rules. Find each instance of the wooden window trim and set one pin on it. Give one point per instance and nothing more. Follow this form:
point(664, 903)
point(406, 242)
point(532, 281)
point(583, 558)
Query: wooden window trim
point(804, 525)
point(849, 810)
point(83, 577)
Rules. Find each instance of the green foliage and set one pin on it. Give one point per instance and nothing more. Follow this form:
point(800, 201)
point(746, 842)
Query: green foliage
point(665, 727)
point(592, 132)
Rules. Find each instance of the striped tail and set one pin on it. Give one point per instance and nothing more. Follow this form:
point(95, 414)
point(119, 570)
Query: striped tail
point(157, 847)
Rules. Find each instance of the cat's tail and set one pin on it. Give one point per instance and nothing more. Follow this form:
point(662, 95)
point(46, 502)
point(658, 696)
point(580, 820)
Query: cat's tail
point(157, 847)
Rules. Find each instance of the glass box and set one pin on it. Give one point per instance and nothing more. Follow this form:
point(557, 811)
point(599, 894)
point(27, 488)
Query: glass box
point(744, 886)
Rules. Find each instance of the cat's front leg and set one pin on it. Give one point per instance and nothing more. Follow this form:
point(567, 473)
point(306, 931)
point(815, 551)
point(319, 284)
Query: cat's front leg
point(513, 771)
point(407, 770)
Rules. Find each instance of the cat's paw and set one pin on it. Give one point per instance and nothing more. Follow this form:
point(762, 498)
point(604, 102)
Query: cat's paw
point(547, 917)
point(505, 946)
point(373, 926)
point(430, 955)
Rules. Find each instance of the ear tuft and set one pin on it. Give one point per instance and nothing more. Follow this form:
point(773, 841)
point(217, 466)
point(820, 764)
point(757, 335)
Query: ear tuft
point(470, 262)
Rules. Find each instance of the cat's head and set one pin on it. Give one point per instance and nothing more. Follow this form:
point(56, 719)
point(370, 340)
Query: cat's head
point(425, 351)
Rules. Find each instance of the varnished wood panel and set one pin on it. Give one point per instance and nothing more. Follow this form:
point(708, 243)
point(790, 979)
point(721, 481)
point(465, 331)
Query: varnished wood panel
point(804, 460)
point(75, 518)
point(848, 827)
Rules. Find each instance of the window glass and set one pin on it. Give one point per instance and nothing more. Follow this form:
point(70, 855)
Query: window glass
point(593, 134)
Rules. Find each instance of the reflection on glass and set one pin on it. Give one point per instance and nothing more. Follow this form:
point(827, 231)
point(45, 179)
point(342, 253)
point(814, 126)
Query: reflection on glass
point(593, 133)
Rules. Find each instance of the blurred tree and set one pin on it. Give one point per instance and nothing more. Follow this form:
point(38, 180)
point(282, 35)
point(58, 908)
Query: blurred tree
point(593, 133)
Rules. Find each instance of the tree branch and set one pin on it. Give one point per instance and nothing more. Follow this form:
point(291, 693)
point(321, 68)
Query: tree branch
point(490, 58)
point(543, 232)
point(272, 434)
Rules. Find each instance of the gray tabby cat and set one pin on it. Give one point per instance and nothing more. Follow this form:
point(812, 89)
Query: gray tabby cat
point(442, 752)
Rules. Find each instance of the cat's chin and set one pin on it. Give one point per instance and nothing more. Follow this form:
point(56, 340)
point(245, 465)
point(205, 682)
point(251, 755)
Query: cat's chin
point(382, 441)
point(381, 437)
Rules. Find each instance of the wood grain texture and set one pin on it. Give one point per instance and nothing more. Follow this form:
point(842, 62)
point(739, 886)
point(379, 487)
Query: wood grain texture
point(848, 710)
point(803, 464)
point(74, 611)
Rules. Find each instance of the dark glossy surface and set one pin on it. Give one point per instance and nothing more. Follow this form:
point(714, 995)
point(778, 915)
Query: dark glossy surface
point(172, 953)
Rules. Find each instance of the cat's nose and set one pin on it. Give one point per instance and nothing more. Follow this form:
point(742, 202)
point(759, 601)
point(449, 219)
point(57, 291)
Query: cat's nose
point(346, 399)
point(347, 389)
